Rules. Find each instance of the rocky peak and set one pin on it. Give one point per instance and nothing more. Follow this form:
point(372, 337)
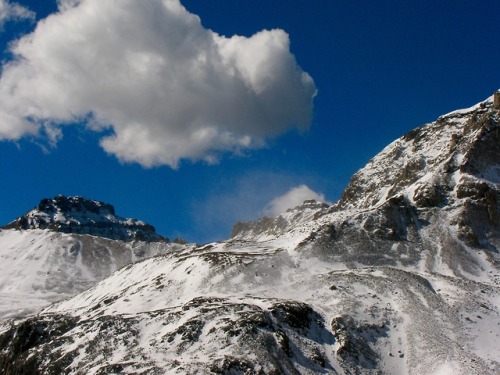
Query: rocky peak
point(428, 164)
point(433, 195)
point(84, 216)
point(68, 205)
point(269, 227)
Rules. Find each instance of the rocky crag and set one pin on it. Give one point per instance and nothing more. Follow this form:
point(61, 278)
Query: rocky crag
point(84, 216)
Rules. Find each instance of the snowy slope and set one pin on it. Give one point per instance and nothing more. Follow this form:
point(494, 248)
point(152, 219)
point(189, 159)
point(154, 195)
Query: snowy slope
point(401, 276)
point(38, 266)
point(253, 308)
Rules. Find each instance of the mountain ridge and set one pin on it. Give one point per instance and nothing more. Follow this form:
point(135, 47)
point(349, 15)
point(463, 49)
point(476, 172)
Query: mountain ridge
point(80, 215)
point(427, 168)
point(400, 276)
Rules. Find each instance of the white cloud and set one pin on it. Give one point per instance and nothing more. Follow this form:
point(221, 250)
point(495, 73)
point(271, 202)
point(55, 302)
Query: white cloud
point(13, 11)
point(167, 88)
point(293, 198)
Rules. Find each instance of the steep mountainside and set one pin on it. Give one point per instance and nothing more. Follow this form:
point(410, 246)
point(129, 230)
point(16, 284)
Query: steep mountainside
point(430, 200)
point(401, 276)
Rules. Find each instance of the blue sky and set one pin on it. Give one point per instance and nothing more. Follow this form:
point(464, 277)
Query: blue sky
point(380, 69)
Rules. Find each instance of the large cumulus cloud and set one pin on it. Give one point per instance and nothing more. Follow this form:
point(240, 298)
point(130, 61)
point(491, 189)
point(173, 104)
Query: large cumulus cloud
point(162, 86)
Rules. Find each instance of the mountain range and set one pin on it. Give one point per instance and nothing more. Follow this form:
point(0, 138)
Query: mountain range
point(400, 276)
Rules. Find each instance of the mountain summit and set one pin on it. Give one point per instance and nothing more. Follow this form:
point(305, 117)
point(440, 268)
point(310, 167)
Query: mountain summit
point(400, 276)
point(79, 215)
point(435, 163)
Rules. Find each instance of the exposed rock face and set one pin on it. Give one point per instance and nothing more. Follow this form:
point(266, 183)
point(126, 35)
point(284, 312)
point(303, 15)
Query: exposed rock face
point(84, 216)
point(34, 333)
point(269, 337)
point(496, 100)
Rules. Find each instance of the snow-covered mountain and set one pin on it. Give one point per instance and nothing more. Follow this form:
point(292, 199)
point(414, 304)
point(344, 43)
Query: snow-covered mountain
point(64, 246)
point(401, 276)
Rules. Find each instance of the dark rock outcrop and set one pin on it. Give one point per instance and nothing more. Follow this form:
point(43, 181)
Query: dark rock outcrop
point(79, 215)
